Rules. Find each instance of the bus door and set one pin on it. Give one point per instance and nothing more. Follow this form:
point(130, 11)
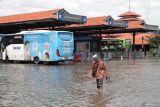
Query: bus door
point(1, 50)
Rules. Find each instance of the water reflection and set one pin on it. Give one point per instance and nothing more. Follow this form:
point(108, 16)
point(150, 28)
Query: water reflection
point(98, 100)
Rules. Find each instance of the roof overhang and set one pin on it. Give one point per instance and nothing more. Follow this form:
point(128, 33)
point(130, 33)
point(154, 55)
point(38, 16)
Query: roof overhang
point(62, 18)
point(109, 23)
point(115, 30)
point(150, 27)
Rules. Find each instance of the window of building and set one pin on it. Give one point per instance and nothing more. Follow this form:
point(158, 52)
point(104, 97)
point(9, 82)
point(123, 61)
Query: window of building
point(83, 47)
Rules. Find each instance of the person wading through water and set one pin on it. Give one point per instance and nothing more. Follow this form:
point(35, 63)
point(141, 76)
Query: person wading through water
point(98, 71)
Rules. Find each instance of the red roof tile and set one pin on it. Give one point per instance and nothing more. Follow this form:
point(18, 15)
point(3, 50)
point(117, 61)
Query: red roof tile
point(133, 21)
point(129, 19)
point(129, 13)
point(29, 16)
point(134, 24)
point(138, 38)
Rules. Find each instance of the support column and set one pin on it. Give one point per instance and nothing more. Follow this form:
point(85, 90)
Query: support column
point(100, 44)
point(134, 34)
point(133, 50)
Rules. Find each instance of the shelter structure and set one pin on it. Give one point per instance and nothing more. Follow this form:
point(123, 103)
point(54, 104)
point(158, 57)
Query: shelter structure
point(44, 19)
point(105, 26)
point(88, 36)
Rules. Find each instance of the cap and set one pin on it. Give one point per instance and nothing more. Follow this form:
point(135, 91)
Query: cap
point(95, 56)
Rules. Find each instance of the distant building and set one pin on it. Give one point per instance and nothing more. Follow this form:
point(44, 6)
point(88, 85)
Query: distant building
point(134, 21)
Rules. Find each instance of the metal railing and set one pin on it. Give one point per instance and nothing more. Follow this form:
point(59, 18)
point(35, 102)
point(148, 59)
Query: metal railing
point(87, 56)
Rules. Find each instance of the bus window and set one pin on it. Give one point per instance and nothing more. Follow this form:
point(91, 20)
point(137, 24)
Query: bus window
point(0, 39)
point(65, 36)
point(2, 48)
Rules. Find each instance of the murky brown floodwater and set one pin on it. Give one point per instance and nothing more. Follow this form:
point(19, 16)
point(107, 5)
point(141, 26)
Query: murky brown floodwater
point(135, 84)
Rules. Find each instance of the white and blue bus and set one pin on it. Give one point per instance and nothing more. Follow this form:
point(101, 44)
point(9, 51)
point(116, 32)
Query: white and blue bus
point(38, 46)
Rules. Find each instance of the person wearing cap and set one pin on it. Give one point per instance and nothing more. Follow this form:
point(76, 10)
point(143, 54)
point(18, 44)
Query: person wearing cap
point(98, 71)
point(94, 66)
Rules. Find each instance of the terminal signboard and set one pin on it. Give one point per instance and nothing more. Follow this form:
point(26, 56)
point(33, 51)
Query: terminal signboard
point(65, 16)
point(116, 23)
point(119, 23)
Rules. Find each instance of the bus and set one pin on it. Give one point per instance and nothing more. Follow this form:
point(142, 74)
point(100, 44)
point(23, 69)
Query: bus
point(38, 46)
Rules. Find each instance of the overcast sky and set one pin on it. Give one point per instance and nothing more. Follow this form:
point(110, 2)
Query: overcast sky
point(90, 8)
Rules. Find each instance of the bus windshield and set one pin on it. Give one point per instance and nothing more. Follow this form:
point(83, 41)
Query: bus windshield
point(65, 36)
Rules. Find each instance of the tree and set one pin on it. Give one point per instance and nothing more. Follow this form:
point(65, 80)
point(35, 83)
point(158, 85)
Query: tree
point(155, 45)
point(154, 41)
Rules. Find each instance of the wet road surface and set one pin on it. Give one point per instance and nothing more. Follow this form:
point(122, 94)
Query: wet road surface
point(135, 84)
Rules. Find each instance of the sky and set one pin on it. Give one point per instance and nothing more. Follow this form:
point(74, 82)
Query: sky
point(149, 9)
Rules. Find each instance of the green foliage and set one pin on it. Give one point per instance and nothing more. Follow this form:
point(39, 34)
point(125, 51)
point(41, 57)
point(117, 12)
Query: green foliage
point(154, 41)
point(154, 45)
point(153, 51)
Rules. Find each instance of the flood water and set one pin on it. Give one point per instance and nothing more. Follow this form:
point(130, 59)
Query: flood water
point(134, 84)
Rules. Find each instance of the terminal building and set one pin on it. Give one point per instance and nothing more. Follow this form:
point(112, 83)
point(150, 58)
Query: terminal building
point(95, 34)
point(128, 33)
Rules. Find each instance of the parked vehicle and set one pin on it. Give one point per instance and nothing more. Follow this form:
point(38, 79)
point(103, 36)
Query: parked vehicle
point(38, 46)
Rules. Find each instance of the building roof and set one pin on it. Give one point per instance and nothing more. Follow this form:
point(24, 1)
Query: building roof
point(131, 24)
point(129, 13)
point(138, 38)
point(42, 19)
point(95, 25)
point(29, 16)
point(133, 21)
point(134, 24)
point(130, 19)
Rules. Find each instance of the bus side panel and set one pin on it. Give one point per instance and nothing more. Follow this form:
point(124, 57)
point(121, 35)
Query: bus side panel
point(44, 48)
point(53, 44)
point(52, 47)
point(15, 52)
point(38, 46)
point(31, 47)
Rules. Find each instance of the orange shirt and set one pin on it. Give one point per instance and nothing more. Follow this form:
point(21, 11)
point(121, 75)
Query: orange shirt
point(101, 70)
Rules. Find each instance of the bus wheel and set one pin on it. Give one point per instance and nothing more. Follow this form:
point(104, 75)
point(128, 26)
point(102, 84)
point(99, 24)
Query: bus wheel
point(36, 60)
